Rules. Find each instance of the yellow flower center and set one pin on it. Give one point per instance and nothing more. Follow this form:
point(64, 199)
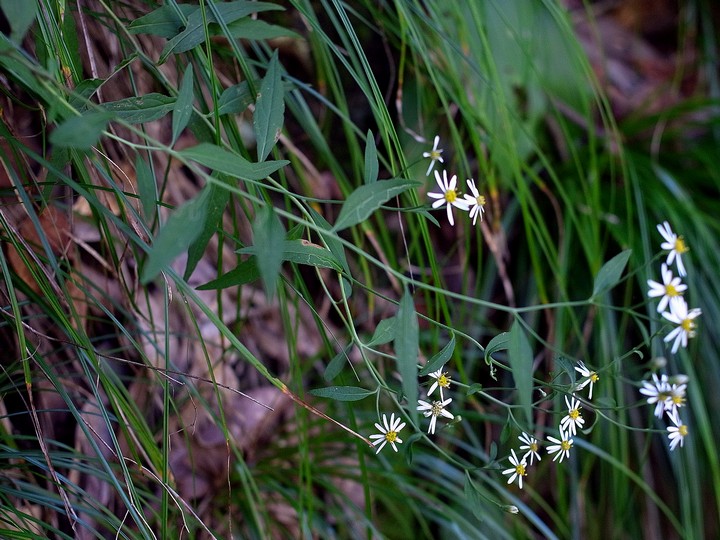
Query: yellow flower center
point(688, 325)
point(480, 200)
point(533, 447)
point(565, 445)
point(678, 400)
point(444, 381)
point(450, 196)
point(683, 430)
point(662, 396)
point(594, 377)
point(520, 469)
point(670, 290)
point(437, 408)
point(391, 436)
point(574, 414)
point(680, 246)
point(435, 154)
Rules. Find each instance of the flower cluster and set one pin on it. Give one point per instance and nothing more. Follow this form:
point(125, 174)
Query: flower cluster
point(668, 394)
point(448, 196)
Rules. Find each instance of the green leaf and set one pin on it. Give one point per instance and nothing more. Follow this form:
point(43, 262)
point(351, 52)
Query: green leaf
point(335, 365)
point(371, 159)
point(331, 240)
point(181, 229)
point(81, 131)
point(164, 21)
point(194, 33)
point(475, 501)
point(217, 201)
point(235, 99)
point(20, 14)
point(499, 343)
point(137, 110)
point(252, 29)
point(366, 199)
point(301, 252)
point(269, 109)
point(342, 393)
point(269, 233)
point(226, 162)
point(406, 349)
point(246, 272)
point(521, 360)
point(183, 105)
point(611, 271)
point(82, 93)
point(147, 187)
point(440, 359)
point(385, 332)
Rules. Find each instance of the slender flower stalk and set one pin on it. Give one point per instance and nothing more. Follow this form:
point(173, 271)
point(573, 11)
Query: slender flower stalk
point(517, 470)
point(434, 155)
point(675, 245)
point(433, 410)
point(388, 432)
point(685, 320)
point(448, 195)
point(670, 287)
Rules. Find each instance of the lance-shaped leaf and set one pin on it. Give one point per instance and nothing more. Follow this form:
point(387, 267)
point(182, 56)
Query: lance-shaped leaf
point(245, 272)
point(137, 110)
point(20, 15)
point(385, 332)
point(342, 393)
point(231, 164)
point(301, 252)
point(367, 198)
point(335, 365)
point(183, 104)
point(610, 273)
point(372, 166)
point(165, 21)
point(406, 350)
point(81, 132)
point(235, 99)
point(269, 233)
point(499, 343)
point(440, 359)
point(269, 109)
point(521, 360)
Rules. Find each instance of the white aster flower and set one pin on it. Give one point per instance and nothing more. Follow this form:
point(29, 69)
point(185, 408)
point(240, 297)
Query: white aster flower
point(448, 195)
point(441, 381)
point(591, 377)
point(388, 432)
point(680, 315)
point(675, 399)
point(434, 155)
point(669, 288)
point(573, 420)
point(657, 392)
point(434, 409)
point(532, 447)
point(475, 202)
point(517, 470)
point(675, 244)
point(562, 446)
point(677, 433)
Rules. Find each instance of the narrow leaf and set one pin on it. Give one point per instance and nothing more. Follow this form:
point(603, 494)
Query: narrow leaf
point(221, 160)
point(475, 501)
point(499, 343)
point(147, 188)
point(331, 239)
point(611, 271)
point(183, 105)
point(336, 365)
point(406, 349)
point(20, 15)
point(164, 21)
point(440, 359)
point(183, 226)
point(372, 166)
point(246, 272)
point(253, 29)
point(269, 233)
point(269, 109)
point(301, 252)
point(385, 332)
point(521, 359)
point(342, 393)
point(217, 201)
point(235, 99)
point(366, 199)
point(81, 131)
point(137, 110)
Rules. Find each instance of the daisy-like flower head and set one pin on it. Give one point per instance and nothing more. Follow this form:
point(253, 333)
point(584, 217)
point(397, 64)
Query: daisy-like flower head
point(517, 470)
point(475, 202)
point(669, 288)
point(684, 318)
point(433, 410)
point(591, 377)
point(448, 195)
point(657, 392)
point(562, 446)
point(573, 420)
point(388, 432)
point(441, 381)
point(678, 432)
point(434, 155)
point(675, 244)
point(675, 399)
point(532, 447)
